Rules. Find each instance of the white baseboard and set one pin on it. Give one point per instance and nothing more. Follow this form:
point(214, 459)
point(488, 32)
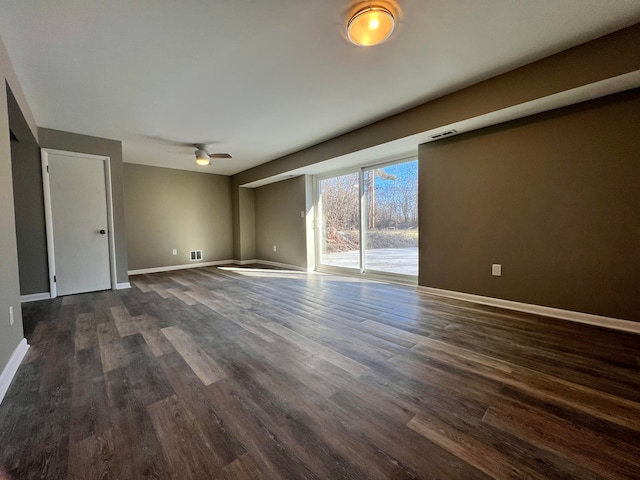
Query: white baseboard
point(6, 377)
point(245, 262)
point(598, 320)
point(210, 264)
point(170, 268)
point(34, 297)
point(271, 264)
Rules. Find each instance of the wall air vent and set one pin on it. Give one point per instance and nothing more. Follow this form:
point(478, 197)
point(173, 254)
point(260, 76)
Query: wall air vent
point(448, 133)
point(195, 255)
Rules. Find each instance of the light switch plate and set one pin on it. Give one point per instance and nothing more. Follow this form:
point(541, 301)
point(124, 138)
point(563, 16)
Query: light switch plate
point(496, 270)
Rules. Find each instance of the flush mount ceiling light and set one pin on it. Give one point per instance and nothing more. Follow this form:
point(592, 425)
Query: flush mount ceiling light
point(370, 26)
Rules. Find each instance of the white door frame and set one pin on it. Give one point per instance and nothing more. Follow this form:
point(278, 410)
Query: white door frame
point(44, 155)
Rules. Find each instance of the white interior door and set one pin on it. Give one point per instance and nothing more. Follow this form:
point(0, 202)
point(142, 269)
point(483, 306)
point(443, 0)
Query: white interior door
point(79, 222)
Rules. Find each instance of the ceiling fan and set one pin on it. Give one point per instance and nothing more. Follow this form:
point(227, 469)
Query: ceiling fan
point(203, 157)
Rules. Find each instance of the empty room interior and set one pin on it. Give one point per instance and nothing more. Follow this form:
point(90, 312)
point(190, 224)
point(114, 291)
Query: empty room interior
point(325, 240)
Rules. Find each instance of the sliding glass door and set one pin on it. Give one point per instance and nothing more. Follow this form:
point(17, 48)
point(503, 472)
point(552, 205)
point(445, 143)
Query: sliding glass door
point(339, 199)
point(369, 220)
point(391, 235)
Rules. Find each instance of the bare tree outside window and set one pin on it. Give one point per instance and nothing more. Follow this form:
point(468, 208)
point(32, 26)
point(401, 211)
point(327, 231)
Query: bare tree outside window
point(340, 197)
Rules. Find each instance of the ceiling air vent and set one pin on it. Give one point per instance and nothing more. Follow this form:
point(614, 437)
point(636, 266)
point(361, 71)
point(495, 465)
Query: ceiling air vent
point(448, 133)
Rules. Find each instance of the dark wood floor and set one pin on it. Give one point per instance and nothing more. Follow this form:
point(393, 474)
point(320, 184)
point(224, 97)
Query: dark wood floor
point(212, 373)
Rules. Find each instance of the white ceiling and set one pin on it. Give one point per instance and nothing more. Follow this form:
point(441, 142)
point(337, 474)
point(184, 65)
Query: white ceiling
point(265, 78)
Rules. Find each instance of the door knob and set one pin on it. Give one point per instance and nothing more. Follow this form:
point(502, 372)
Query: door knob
point(102, 232)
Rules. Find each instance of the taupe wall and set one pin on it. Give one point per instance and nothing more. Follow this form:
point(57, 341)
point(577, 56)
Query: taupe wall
point(74, 142)
point(243, 221)
point(247, 214)
point(167, 209)
point(278, 222)
point(10, 335)
point(235, 221)
point(30, 220)
point(554, 198)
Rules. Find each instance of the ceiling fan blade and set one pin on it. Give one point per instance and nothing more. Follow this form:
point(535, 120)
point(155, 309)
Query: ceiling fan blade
point(219, 155)
point(180, 150)
point(165, 141)
point(205, 145)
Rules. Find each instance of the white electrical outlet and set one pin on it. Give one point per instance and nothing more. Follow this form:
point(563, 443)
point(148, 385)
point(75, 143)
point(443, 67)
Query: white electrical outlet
point(301, 213)
point(11, 315)
point(275, 249)
point(175, 251)
point(496, 270)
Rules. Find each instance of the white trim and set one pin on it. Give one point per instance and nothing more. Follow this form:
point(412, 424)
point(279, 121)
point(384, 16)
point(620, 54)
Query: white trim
point(310, 221)
point(123, 286)
point(272, 264)
point(67, 153)
point(598, 320)
point(34, 297)
point(6, 377)
point(245, 262)
point(110, 224)
point(44, 157)
point(213, 264)
point(48, 216)
point(169, 268)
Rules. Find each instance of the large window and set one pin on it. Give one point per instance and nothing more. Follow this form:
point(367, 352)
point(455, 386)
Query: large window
point(340, 211)
point(369, 220)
